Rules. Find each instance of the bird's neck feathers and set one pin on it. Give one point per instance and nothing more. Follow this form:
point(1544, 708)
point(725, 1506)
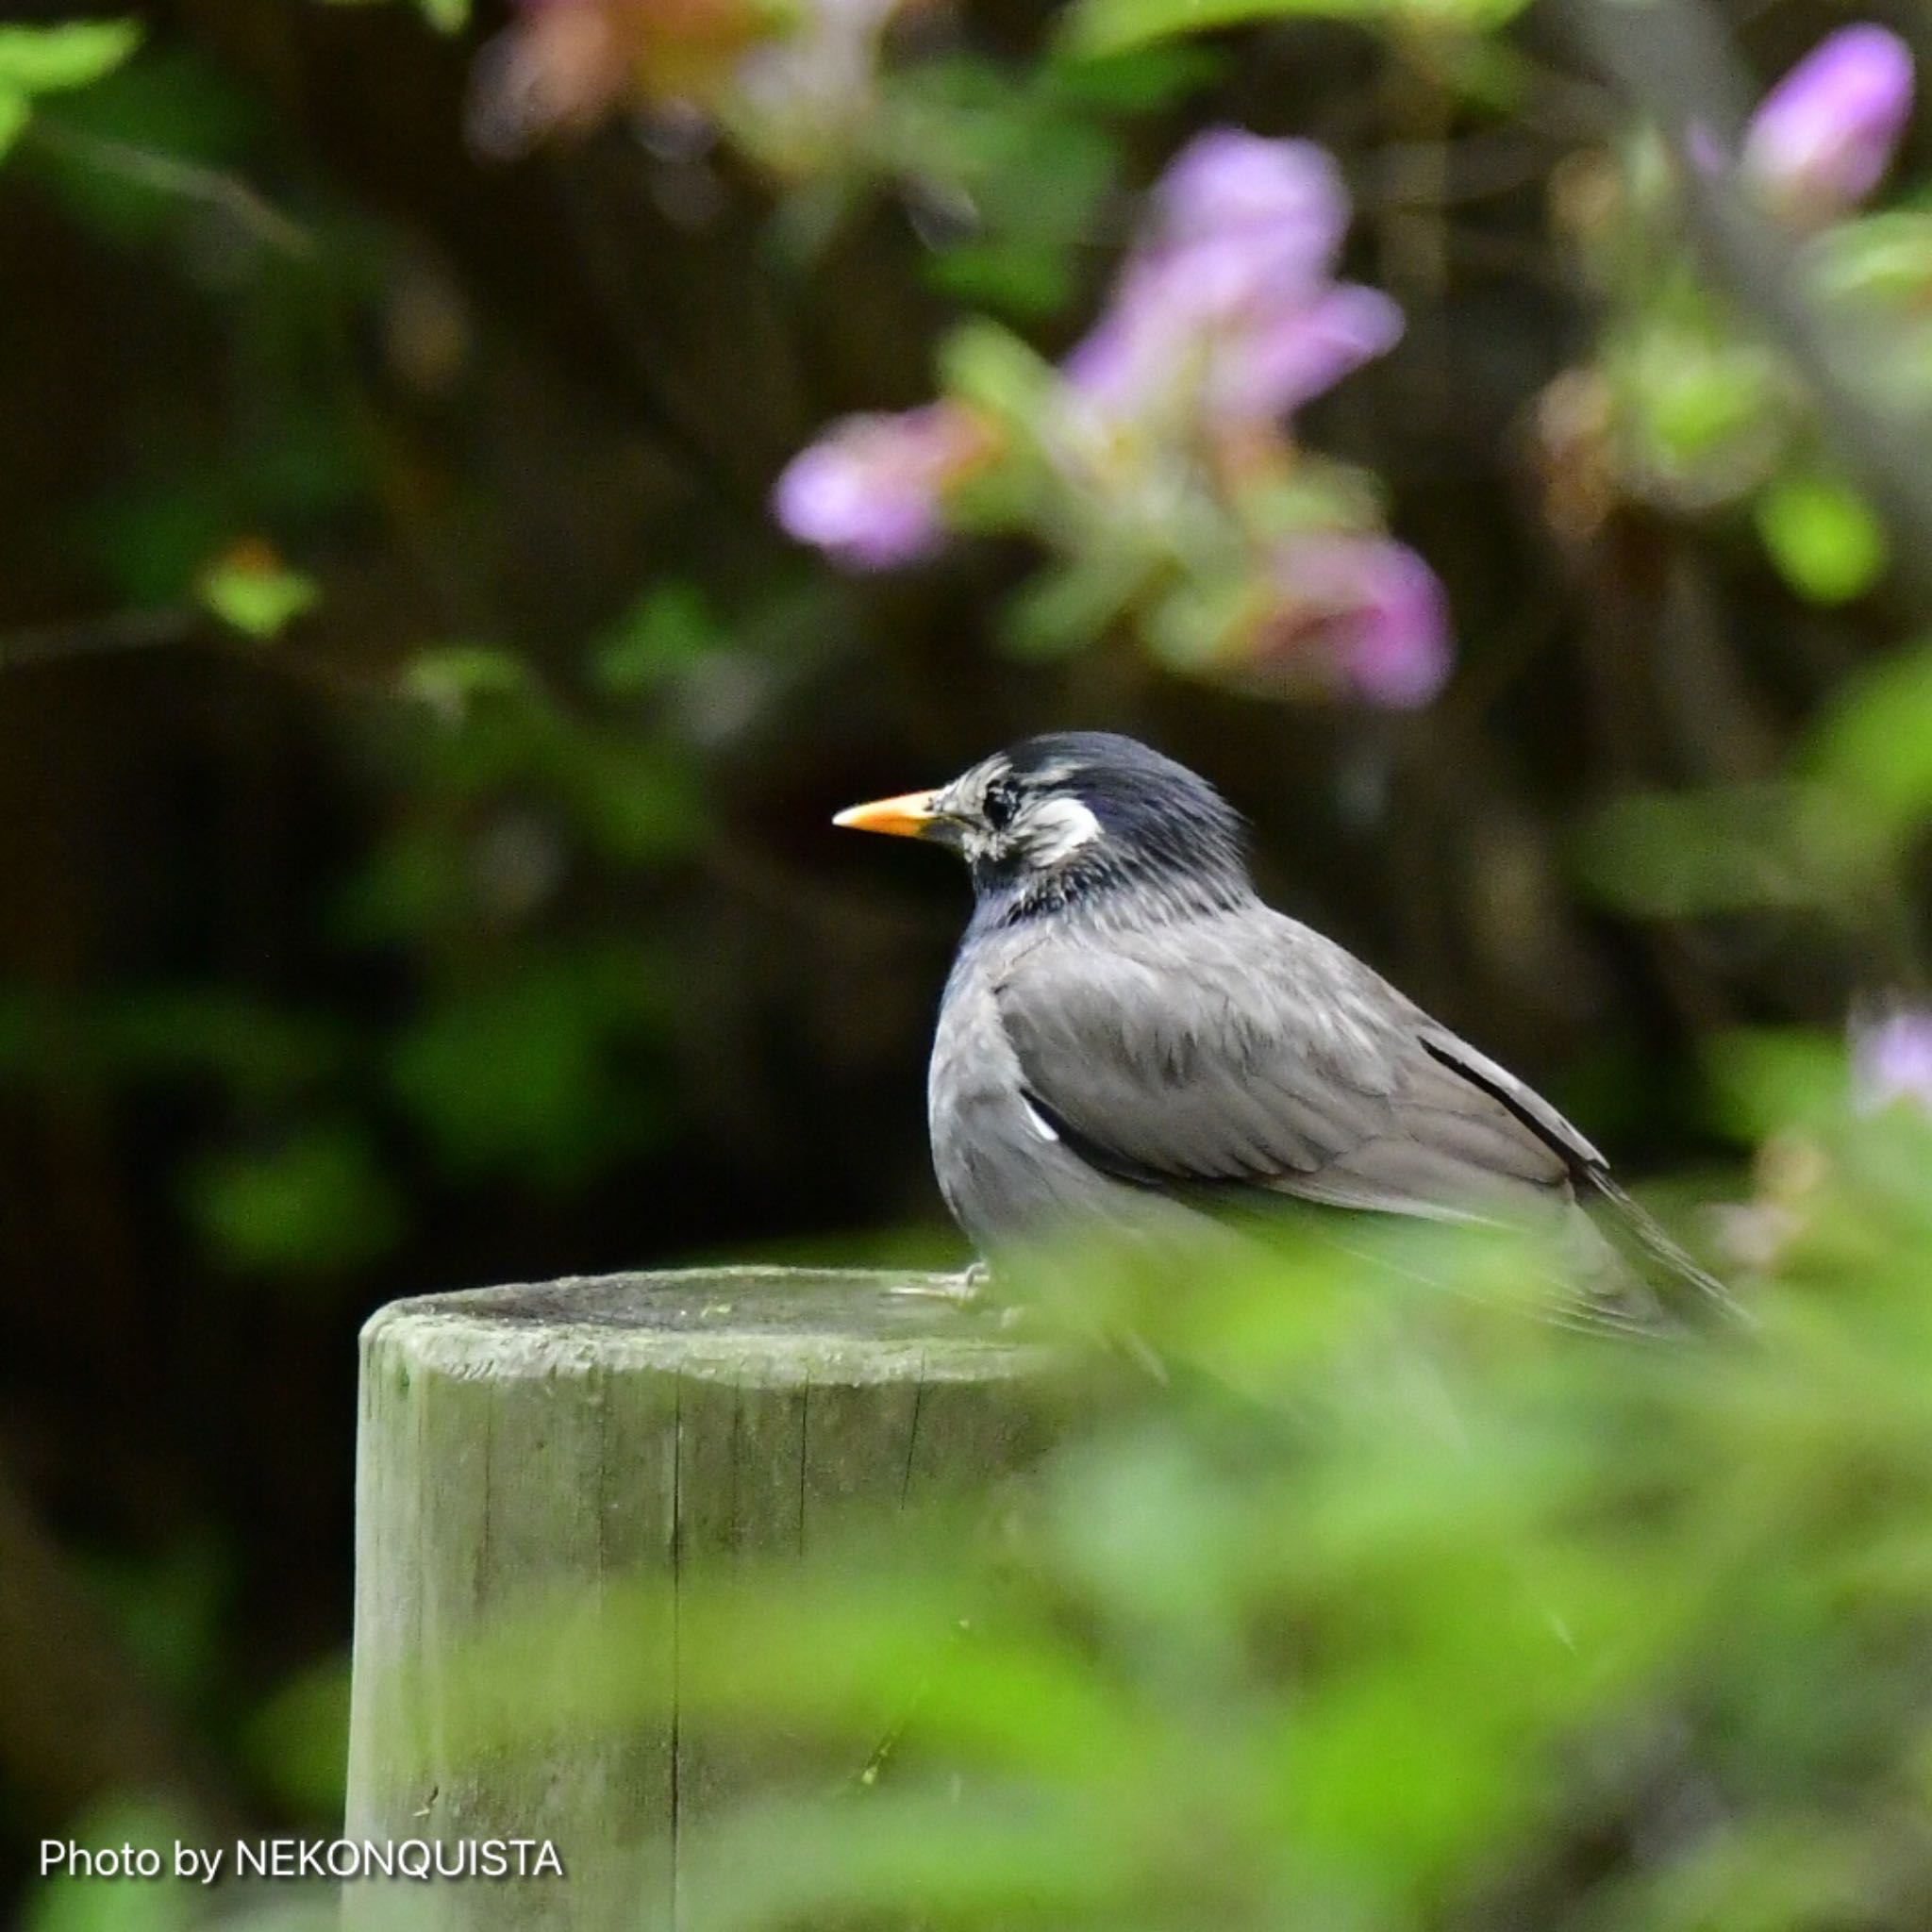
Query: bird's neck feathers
point(1151, 882)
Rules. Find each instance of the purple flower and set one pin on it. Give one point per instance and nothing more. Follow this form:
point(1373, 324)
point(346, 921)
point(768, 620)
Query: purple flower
point(1291, 356)
point(869, 490)
point(1362, 614)
point(1823, 138)
point(1227, 308)
point(1891, 1061)
point(1244, 206)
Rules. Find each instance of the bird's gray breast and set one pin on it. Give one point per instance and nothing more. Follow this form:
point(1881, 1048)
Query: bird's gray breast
point(1001, 1164)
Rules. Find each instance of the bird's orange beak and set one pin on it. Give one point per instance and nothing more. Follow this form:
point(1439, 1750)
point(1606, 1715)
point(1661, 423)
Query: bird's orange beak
point(908, 816)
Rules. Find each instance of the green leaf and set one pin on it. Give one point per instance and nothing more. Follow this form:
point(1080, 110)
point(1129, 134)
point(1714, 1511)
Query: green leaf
point(1140, 81)
point(1192, 628)
point(1823, 540)
point(1885, 256)
point(67, 1901)
point(1752, 848)
point(127, 138)
point(51, 59)
point(1468, 16)
point(1017, 275)
point(170, 1608)
point(297, 1741)
point(1067, 607)
point(448, 678)
point(1015, 169)
point(1490, 74)
point(1113, 27)
point(1876, 745)
point(667, 631)
point(1766, 1079)
point(639, 805)
point(990, 367)
point(245, 1047)
point(252, 592)
point(15, 111)
point(318, 1203)
point(536, 1075)
point(1702, 408)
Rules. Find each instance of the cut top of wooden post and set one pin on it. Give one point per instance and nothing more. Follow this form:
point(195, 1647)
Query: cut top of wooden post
point(776, 1326)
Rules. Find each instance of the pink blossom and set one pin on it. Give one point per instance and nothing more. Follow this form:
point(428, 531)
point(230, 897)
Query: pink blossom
point(1823, 138)
point(1364, 614)
point(1297, 353)
point(1227, 305)
point(1246, 205)
point(869, 490)
point(1891, 1061)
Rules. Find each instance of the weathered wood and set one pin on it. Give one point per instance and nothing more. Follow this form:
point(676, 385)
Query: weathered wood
point(588, 1433)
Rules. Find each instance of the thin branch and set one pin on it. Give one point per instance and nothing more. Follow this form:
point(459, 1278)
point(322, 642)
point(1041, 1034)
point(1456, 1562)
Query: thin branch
point(178, 627)
point(125, 630)
point(1449, 173)
point(186, 180)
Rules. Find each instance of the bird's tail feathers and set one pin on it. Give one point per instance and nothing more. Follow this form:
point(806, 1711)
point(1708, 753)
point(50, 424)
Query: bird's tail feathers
point(1646, 1234)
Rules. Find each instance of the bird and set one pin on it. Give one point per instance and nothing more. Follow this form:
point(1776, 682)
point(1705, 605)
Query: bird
point(1131, 1039)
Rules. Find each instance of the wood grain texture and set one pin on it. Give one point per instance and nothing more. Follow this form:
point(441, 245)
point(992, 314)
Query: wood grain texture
point(579, 1436)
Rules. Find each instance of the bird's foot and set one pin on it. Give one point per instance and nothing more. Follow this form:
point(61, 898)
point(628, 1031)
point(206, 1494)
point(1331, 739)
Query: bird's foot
point(971, 1288)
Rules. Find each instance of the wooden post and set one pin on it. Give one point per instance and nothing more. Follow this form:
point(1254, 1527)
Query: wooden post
point(587, 1431)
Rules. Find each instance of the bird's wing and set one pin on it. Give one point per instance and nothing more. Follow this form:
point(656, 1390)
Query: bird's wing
point(1634, 1232)
point(1245, 1051)
point(1524, 1104)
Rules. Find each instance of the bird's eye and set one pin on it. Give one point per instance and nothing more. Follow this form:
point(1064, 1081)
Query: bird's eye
point(1001, 802)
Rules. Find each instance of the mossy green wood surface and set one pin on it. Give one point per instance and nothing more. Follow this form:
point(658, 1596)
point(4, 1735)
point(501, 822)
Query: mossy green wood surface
point(575, 1438)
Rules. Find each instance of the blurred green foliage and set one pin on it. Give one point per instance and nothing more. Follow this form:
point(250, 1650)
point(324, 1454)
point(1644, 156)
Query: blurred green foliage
point(254, 594)
point(1836, 839)
point(1385, 1605)
point(1109, 26)
point(52, 61)
point(1822, 539)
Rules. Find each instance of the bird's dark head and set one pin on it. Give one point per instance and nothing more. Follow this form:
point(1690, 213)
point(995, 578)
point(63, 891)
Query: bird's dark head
point(1070, 816)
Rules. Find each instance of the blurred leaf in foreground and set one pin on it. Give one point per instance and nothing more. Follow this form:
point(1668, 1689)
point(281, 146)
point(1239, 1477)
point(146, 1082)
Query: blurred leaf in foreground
point(1433, 1607)
point(70, 1903)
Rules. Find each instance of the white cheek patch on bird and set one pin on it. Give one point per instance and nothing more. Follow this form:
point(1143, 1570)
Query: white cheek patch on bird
point(1058, 827)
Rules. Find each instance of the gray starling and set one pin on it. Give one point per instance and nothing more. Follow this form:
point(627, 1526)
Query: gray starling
point(1130, 1036)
